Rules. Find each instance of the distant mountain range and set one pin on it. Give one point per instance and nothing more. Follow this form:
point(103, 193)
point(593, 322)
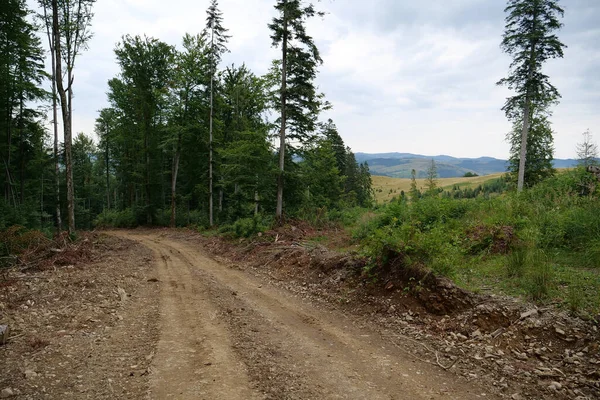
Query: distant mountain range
point(399, 165)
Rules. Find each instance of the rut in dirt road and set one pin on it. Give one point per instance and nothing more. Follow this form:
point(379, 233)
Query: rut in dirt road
point(227, 335)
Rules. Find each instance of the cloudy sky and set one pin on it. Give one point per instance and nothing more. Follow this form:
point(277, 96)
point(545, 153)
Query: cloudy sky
point(405, 76)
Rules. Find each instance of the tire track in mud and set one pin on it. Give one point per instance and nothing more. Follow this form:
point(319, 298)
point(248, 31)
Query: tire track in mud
point(278, 346)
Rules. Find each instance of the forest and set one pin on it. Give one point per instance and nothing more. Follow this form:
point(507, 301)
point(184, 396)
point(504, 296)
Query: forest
point(183, 140)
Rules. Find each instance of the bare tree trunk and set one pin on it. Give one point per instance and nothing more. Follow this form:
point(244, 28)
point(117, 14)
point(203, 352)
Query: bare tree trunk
point(147, 178)
point(523, 154)
point(54, 122)
point(55, 150)
point(279, 212)
point(8, 189)
point(256, 199)
point(69, 157)
point(210, 138)
point(64, 105)
point(107, 169)
point(526, 117)
point(174, 181)
point(21, 151)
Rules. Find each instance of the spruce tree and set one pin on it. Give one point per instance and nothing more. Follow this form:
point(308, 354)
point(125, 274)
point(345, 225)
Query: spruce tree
point(530, 39)
point(299, 102)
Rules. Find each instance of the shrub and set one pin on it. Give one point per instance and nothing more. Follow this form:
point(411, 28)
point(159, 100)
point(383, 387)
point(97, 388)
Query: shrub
point(246, 227)
point(116, 219)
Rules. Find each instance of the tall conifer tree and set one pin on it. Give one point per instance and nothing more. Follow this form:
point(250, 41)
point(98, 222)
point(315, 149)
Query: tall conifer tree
point(299, 101)
point(218, 46)
point(530, 39)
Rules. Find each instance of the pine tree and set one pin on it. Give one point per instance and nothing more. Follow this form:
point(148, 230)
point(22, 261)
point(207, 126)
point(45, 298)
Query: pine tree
point(330, 132)
point(21, 76)
point(414, 192)
point(299, 101)
point(365, 192)
point(188, 79)
point(246, 159)
point(218, 46)
point(431, 179)
point(321, 175)
point(529, 38)
point(105, 124)
point(540, 151)
point(587, 151)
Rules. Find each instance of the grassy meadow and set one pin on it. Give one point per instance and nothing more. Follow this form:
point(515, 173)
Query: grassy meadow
point(387, 188)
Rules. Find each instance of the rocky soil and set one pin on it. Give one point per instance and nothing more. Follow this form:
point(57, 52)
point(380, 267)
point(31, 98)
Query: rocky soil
point(518, 350)
point(82, 323)
point(146, 315)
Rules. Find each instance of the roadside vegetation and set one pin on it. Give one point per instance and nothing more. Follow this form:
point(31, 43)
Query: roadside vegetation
point(543, 244)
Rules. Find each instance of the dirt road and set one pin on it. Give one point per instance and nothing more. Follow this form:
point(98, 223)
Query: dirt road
point(224, 334)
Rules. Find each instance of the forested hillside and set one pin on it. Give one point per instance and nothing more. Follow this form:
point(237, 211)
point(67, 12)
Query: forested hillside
point(183, 139)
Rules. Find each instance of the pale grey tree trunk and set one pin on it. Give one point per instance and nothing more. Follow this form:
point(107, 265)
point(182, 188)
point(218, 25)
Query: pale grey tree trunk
point(210, 136)
point(526, 122)
point(279, 211)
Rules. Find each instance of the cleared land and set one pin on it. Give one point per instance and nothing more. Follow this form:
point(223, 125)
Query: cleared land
point(386, 188)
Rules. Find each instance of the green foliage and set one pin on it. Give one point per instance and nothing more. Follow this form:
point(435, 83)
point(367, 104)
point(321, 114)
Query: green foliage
point(126, 218)
point(587, 151)
point(540, 151)
point(539, 279)
point(530, 38)
point(246, 227)
point(470, 175)
point(575, 296)
point(321, 174)
point(414, 192)
point(431, 180)
point(516, 262)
